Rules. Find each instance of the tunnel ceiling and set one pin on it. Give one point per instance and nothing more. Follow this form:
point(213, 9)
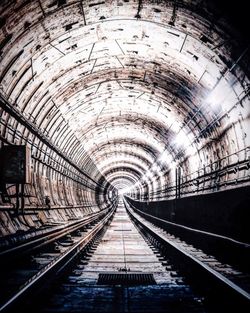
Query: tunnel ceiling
point(136, 87)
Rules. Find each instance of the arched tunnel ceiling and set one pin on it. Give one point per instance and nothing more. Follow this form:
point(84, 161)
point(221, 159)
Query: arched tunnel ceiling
point(131, 85)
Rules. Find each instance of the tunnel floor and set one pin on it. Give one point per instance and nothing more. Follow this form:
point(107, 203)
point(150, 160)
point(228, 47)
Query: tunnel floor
point(122, 250)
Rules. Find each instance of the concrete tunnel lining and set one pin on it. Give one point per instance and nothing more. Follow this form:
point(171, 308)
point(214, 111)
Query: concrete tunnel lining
point(96, 80)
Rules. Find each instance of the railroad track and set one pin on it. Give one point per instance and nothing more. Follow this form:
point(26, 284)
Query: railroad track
point(130, 265)
point(225, 249)
point(31, 242)
point(123, 273)
point(53, 252)
point(228, 280)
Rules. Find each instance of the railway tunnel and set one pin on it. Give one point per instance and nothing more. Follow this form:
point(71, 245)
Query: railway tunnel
point(124, 134)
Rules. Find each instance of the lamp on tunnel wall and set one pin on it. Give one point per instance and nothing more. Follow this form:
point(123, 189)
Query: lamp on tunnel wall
point(15, 171)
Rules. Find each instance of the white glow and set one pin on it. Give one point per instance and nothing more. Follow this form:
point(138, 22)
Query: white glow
point(190, 150)
point(219, 94)
point(181, 140)
point(154, 167)
point(166, 158)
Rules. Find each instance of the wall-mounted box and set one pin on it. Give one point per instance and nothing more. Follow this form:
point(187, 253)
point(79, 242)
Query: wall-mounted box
point(16, 164)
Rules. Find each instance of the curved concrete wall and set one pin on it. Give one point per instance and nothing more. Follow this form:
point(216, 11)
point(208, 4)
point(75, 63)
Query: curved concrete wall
point(226, 212)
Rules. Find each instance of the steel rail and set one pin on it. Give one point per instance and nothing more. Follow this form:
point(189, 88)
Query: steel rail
point(194, 230)
point(54, 235)
point(201, 265)
point(56, 264)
